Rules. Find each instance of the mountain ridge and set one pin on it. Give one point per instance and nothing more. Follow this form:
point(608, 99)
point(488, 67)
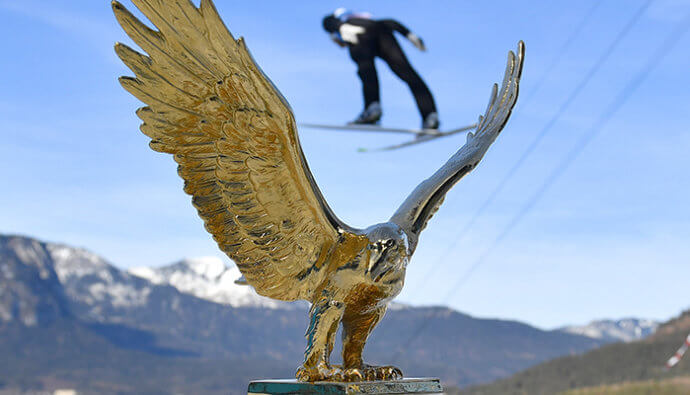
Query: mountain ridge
point(209, 278)
point(624, 329)
point(635, 361)
point(136, 315)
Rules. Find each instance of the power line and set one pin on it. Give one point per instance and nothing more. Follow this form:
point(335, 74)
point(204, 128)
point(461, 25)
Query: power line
point(579, 147)
point(539, 137)
point(581, 144)
point(562, 51)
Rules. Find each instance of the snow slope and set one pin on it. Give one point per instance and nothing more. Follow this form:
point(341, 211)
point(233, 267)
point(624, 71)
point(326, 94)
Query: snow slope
point(626, 330)
point(209, 278)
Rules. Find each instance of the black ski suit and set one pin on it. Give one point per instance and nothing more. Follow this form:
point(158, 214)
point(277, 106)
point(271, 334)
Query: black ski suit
point(375, 38)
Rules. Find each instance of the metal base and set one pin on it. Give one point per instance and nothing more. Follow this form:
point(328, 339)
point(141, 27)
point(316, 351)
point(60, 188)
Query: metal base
point(403, 386)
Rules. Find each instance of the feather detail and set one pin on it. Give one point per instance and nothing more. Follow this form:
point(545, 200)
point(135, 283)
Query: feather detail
point(234, 139)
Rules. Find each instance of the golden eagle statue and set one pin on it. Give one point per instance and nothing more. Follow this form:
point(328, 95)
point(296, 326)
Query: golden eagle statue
point(234, 138)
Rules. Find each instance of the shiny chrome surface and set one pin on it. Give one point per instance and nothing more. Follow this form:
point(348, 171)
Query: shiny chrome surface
point(234, 139)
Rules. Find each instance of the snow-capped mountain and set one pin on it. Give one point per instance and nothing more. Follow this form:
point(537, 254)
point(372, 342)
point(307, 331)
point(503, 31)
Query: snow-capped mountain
point(92, 280)
point(626, 330)
point(30, 291)
point(44, 284)
point(209, 278)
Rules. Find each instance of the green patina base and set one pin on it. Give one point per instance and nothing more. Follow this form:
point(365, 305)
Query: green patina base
point(403, 386)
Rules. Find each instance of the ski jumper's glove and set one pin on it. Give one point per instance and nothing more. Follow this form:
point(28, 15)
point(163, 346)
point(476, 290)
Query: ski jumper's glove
point(417, 41)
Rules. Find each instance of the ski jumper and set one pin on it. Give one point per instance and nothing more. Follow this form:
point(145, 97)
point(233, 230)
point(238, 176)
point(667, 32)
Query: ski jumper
point(368, 39)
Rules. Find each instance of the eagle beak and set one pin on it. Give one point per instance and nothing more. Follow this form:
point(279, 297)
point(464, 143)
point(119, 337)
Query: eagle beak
point(377, 266)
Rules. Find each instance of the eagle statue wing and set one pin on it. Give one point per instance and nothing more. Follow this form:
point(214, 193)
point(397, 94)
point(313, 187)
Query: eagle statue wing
point(414, 213)
point(234, 138)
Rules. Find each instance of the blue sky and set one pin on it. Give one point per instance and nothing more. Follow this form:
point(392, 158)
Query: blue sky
point(608, 239)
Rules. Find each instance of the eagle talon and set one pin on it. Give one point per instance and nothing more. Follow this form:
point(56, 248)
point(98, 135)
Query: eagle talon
point(388, 373)
point(372, 373)
point(354, 375)
point(320, 372)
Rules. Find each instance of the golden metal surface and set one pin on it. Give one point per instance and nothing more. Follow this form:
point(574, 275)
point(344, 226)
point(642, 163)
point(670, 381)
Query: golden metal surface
point(234, 138)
